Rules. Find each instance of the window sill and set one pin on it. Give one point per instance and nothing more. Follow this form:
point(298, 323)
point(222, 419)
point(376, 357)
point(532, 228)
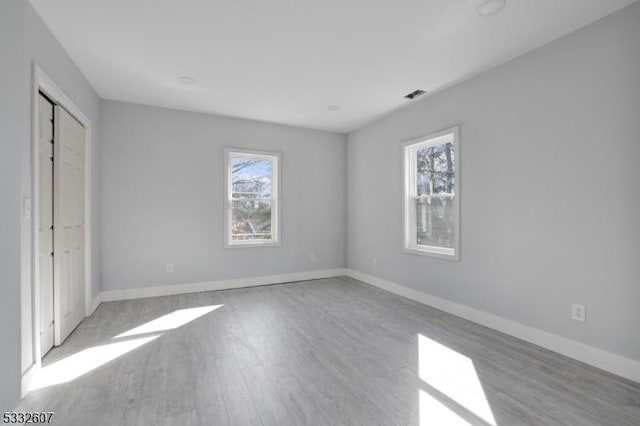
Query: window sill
point(252, 244)
point(438, 253)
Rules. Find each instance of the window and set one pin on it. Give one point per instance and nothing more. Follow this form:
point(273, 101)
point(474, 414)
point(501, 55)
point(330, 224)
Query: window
point(431, 195)
point(252, 204)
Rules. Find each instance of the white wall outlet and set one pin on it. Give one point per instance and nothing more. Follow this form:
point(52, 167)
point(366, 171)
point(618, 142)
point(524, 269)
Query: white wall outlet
point(374, 262)
point(313, 258)
point(169, 268)
point(578, 312)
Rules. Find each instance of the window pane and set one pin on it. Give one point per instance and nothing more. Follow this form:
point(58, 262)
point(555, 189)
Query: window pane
point(435, 174)
point(431, 213)
point(435, 222)
point(251, 220)
point(251, 178)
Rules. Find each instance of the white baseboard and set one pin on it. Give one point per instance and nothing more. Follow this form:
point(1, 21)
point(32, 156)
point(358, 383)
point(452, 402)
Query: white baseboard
point(608, 361)
point(167, 290)
point(96, 302)
point(27, 379)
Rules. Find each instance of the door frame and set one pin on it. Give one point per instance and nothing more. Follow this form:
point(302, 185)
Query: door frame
point(43, 83)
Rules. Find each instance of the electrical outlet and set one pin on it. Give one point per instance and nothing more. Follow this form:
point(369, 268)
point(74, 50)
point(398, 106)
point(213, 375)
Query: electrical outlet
point(313, 258)
point(578, 312)
point(169, 268)
point(374, 262)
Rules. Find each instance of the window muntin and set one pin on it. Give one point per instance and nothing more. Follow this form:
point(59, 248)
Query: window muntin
point(252, 198)
point(431, 199)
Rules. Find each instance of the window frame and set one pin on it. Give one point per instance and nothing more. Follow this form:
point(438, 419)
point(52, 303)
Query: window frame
point(276, 182)
point(409, 179)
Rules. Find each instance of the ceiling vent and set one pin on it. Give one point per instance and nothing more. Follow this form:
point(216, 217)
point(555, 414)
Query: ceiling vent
point(415, 94)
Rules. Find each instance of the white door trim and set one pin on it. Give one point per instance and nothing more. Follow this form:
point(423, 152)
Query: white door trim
point(42, 82)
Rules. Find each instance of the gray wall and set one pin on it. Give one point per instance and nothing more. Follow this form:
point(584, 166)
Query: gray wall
point(24, 38)
point(550, 146)
point(162, 193)
point(12, 52)
point(42, 48)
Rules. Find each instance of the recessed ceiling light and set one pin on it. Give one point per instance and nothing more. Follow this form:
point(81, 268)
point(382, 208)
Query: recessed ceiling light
point(491, 7)
point(189, 81)
point(333, 107)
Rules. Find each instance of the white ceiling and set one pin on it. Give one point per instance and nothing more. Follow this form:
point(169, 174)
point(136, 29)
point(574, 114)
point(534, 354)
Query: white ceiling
point(286, 61)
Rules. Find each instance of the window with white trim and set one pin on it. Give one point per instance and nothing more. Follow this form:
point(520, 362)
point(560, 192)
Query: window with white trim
point(431, 195)
point(252, 204)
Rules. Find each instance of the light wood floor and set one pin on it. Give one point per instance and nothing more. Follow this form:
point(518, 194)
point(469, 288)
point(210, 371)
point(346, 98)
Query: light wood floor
point(324, 352)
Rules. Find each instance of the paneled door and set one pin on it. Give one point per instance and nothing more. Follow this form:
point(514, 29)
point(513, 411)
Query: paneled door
point(45, 229)
point(69, 227)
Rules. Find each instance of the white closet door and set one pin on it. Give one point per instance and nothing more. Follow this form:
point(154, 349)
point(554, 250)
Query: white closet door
point(45, 230)
point(69, 195)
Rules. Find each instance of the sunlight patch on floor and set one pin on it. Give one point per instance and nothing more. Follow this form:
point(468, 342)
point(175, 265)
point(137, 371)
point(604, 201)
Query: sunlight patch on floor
point(435, 413)
point(170, 321)
point(454, 375)
point(87, 360)
point(83, 362)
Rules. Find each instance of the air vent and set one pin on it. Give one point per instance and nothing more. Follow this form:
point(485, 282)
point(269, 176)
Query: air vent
point(415, 94)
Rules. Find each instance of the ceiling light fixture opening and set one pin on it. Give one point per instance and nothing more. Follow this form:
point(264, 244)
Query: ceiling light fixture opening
point(491, 7)
point(189, 81)
point(415, 94)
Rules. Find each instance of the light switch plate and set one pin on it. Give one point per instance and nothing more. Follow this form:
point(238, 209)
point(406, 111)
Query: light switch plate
point(26, 208)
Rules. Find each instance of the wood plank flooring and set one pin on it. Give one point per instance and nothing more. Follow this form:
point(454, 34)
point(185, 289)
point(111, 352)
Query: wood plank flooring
point(324, 352)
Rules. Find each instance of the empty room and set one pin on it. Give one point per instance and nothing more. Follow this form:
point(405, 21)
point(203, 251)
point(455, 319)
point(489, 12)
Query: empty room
point(301, 212)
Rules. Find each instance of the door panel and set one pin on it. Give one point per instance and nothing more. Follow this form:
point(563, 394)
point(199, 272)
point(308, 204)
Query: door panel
point(45, 230)
point(69, 229)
